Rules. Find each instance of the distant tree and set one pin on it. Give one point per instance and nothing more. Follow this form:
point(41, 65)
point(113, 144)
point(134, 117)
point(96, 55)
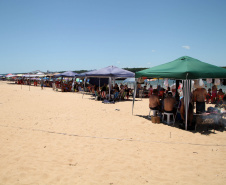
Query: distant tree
point(80, 71)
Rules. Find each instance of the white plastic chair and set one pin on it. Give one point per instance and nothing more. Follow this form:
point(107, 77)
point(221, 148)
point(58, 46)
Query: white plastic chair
point(154, 113)
point(168, 118)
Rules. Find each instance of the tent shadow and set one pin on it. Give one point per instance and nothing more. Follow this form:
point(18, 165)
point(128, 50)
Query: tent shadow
point(202, 130)
point(12, 83)
point(144, 116)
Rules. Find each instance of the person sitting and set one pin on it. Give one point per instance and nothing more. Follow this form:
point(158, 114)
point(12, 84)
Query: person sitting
point(116, 94)
point(116, 87)
point(154, 102)
point(161, 93)
point(199, 97)
point(214, 94)
point(167, 90)
point(103, 91)
point(127, 92)
point(122, 92)
point(208, 96)
point(150, 90)
point(139, 88)
point(220, 96)
point(169, 104)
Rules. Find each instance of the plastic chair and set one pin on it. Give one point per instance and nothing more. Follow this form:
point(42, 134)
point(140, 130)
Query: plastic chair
point(154, 113)
point(168, 117)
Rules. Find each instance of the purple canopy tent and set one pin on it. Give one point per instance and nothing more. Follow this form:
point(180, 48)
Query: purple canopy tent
point(67, 74)
point(112, 73)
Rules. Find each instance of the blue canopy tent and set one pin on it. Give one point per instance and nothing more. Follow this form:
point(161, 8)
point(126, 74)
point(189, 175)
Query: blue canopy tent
point(67, 74)
point(111, 72)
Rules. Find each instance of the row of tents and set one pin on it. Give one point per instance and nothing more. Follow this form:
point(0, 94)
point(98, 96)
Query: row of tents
point(184, 68)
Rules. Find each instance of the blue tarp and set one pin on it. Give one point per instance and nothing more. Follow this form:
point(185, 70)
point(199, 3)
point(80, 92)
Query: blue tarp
point(111, 71)
point(67, 74)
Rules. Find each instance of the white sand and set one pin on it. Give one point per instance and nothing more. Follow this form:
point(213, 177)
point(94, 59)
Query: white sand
point(50, 137)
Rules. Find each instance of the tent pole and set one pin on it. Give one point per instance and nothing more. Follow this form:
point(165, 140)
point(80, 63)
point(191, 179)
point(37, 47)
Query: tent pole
point(134, 93)
point(109, 84)
point(22, 82)
point(186, 100)
point(84, 86)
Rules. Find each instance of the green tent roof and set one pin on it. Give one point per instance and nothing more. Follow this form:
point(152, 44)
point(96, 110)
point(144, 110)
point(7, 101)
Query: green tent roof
point(183, 68)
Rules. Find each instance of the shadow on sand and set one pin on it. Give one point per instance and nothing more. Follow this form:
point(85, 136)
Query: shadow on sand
point(206, 129)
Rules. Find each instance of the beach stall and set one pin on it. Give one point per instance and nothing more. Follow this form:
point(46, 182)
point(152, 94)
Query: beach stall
point(186, 69)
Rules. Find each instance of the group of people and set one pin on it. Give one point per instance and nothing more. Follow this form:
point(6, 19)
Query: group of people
point(169, 104)
point(213, 96)
point(116, 92)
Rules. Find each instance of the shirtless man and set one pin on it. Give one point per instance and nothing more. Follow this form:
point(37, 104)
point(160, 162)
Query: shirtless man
point(154, 102)
point(169, 103)
point(199, 97)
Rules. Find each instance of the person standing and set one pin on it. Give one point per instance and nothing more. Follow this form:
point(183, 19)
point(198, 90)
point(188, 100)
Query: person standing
point(42, 83)
point(199, 97)
point(214, 94)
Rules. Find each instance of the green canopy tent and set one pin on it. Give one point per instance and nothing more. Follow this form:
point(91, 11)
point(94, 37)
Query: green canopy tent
point(184, 68)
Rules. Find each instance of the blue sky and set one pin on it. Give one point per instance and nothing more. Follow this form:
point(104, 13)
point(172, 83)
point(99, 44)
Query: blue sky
point(61, 35)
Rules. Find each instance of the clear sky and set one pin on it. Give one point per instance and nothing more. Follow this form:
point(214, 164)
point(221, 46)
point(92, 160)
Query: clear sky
point(61, 35)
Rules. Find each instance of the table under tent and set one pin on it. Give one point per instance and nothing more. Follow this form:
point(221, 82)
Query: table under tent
point(186, 69)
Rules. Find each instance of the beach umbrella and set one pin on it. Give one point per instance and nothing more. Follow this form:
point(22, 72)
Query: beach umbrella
point(9, 75)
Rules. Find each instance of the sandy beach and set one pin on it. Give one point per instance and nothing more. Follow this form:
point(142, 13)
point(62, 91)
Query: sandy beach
point(50, 137)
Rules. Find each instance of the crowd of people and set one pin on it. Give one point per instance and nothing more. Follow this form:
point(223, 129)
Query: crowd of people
point(166, 102)
point(116, 92)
